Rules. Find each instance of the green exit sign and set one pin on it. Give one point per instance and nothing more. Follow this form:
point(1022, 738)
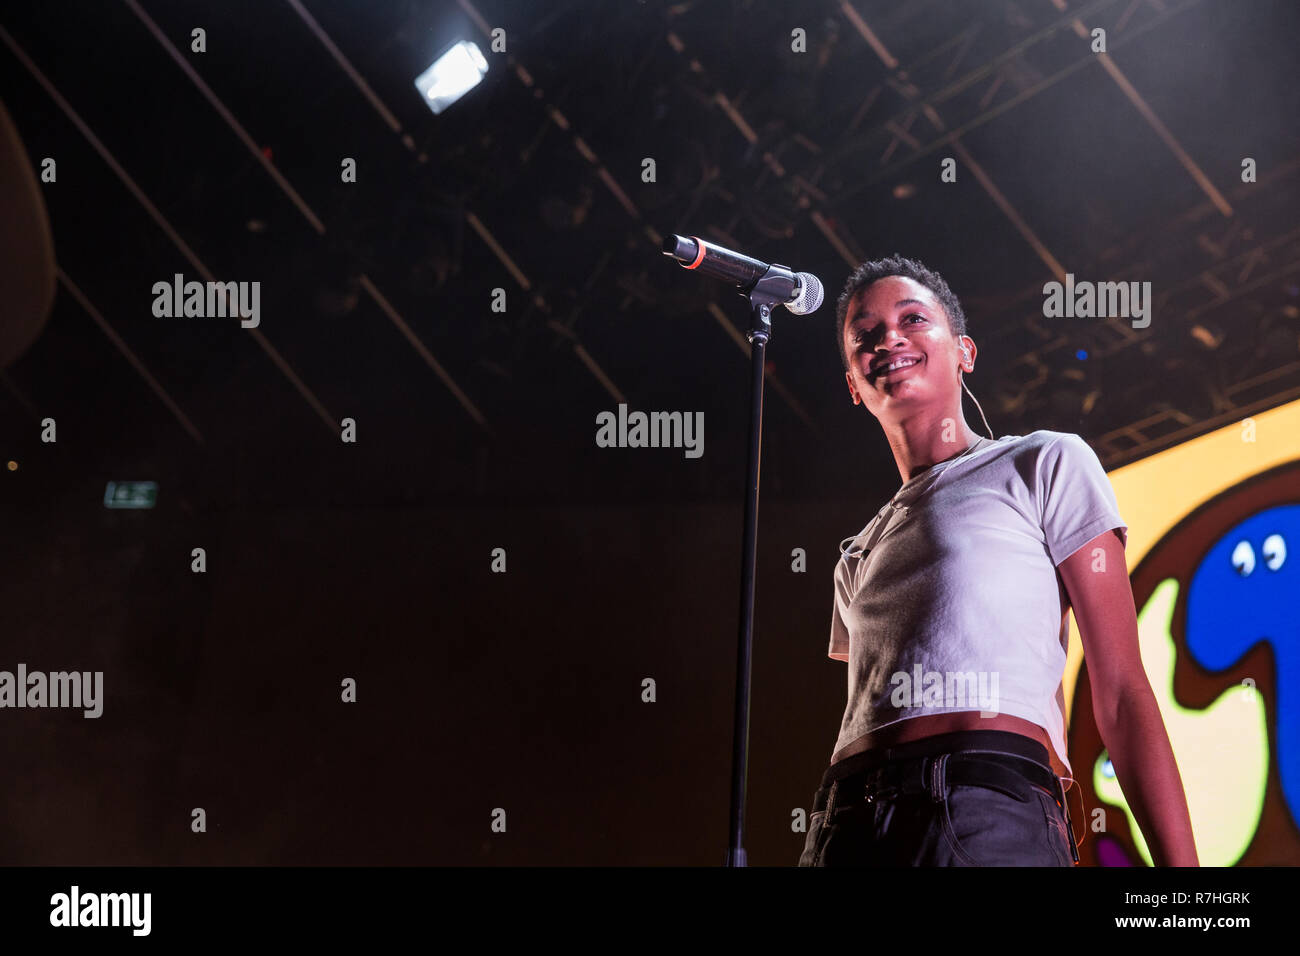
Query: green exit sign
point(130, 494)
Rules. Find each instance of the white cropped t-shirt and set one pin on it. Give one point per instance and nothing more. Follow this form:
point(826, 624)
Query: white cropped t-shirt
point(956, 605)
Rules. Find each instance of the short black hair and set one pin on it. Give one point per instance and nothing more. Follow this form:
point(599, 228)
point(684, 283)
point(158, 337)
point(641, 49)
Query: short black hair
point(896, 265)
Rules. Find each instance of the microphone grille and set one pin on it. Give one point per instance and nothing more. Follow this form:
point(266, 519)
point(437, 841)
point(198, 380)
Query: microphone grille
point(810, 294)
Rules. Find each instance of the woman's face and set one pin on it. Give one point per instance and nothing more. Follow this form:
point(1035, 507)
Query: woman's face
point(896, 319)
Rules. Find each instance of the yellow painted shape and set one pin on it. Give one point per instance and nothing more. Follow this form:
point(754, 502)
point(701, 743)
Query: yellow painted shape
point(1221, 751)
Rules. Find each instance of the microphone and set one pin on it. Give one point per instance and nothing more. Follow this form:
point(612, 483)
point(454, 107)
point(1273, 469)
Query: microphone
point(806, 292)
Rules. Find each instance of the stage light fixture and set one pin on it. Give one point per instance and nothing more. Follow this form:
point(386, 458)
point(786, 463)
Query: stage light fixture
point(452, 75)
point(1209, 335)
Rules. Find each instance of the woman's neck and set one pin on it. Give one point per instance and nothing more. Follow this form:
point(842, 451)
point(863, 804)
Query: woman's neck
point(921, 445)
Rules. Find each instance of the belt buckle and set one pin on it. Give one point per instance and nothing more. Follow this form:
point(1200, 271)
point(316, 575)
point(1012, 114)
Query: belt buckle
point(936, 766)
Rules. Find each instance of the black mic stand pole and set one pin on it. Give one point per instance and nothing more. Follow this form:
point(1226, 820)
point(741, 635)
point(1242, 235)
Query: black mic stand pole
point(771, 290)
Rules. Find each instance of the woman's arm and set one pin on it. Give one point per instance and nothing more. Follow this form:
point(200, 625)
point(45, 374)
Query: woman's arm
point(1127, 714)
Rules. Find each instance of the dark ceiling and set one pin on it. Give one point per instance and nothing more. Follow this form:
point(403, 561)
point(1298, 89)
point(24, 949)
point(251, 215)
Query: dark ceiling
point(377, 295)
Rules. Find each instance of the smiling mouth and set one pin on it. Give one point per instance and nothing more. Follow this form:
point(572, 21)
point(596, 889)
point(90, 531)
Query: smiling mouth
point(888, 371)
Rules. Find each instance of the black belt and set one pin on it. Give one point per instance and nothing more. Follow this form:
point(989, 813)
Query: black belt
point(1002, 772)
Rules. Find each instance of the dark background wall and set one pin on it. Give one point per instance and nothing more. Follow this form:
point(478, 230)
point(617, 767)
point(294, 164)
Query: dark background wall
point(475, 690)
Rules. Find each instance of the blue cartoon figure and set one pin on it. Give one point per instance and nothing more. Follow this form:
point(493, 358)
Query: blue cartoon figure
point(1245, 591)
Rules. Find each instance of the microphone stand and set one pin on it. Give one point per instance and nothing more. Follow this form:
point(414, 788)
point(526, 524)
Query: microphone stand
point(771, 290)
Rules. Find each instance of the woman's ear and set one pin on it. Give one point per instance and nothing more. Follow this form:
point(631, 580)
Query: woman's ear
point(968, 352)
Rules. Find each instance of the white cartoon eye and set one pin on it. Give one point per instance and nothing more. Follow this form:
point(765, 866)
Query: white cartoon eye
point(1243, 558)
point(1274, 551)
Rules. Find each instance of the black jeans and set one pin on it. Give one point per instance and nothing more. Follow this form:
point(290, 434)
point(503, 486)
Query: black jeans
point(905, 806)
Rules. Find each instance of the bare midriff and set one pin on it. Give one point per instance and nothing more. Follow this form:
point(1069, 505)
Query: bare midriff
point(930, 725)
